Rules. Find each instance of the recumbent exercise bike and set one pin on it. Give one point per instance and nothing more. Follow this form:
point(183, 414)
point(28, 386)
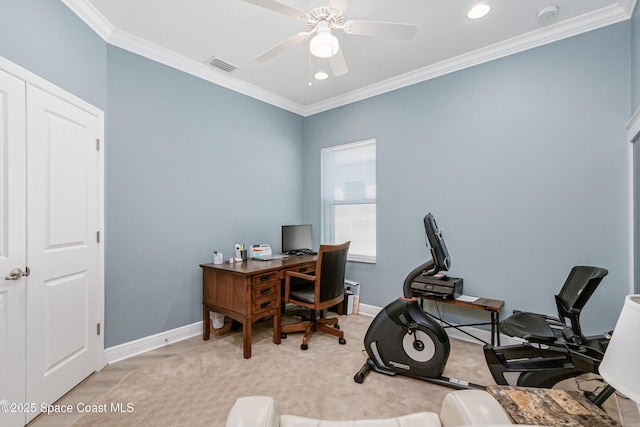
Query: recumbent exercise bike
point(403, 340)
point(553, 348)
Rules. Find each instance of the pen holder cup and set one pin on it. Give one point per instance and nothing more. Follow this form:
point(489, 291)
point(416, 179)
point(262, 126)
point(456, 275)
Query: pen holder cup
point(243, 253)
point(217, 258)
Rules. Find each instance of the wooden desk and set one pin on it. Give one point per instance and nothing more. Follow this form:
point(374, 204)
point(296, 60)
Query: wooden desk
point(248, 291)
point(493, 306)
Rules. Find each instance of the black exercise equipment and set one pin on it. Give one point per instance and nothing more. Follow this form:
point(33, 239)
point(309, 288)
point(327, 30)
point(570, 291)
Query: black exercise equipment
point(402, 339)
point(555, 347)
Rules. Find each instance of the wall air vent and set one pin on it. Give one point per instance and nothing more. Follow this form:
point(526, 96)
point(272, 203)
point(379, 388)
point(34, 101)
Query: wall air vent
point(221, 65)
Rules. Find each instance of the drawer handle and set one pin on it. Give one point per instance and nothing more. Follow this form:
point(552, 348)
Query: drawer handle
point(265, 304)
point(266, 291)
point(265, 278)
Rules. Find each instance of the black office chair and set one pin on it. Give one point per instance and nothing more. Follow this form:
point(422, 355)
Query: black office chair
point(543, 329)
point(318, 292)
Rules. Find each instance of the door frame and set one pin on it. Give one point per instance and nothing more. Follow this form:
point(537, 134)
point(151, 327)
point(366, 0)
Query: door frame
point(32, 79)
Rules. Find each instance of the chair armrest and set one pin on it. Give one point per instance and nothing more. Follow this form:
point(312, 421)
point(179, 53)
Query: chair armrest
point(254, 411)
point(287, 282)
point(471, 407)
point(300, 275)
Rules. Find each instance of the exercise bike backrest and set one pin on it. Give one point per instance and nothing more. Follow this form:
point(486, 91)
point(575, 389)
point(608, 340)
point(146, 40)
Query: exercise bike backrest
point(440, 259)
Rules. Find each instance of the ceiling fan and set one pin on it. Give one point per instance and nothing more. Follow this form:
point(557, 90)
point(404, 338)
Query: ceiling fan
point(323, 21)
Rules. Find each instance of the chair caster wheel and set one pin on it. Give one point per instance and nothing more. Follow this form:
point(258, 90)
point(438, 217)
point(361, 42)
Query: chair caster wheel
point(342, 341)
point(283, 336)
point(336, 326)
point(304, 346)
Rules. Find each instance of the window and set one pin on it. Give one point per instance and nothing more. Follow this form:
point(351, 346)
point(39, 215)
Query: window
point(349, 198)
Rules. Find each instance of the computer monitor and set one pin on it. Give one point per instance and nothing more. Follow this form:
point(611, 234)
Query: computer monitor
point(297, 238)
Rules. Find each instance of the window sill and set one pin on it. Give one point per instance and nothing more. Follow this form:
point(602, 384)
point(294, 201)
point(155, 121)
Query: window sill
point(364, 260)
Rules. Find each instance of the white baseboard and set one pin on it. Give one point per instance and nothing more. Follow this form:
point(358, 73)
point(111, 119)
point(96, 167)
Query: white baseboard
point(142, 345)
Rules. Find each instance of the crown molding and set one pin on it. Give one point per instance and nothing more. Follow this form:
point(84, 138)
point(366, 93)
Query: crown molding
point(167, 57)
point(628, 5)
point(633, 127)
point(591, 21)
point(91, 16)
point(115, 37)
point(569, 28)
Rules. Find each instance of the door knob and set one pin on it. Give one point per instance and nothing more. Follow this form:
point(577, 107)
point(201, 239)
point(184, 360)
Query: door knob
point(17, 273)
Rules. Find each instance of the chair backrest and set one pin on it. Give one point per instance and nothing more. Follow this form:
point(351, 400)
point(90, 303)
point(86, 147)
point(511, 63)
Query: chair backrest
point(330, 270)
point(576, 291)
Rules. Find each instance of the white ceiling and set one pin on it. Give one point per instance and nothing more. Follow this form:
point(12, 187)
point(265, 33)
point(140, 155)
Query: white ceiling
point(185, 34)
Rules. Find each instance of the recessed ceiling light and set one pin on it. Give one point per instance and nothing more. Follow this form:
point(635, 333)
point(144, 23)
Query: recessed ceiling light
point(320, 75)
point(478, 11)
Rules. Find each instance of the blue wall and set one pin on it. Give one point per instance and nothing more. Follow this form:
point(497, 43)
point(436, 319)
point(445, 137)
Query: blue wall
point(46, 38)
point(191, 168)
point(523, 162)
point(183, 162)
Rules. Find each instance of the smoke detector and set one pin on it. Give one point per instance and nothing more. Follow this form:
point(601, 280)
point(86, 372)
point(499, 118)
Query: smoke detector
point(548, 15)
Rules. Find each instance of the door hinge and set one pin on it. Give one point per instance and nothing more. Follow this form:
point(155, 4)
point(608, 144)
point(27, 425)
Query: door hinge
point(98, 144)
point(98, 236)
point(98, 329)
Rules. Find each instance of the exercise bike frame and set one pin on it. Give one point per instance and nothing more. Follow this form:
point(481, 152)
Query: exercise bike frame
point(526, 364)
point(404, 317)
point(544, 365)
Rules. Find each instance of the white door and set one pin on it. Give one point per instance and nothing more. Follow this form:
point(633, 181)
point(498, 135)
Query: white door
point(12, 250)
point(63, 221)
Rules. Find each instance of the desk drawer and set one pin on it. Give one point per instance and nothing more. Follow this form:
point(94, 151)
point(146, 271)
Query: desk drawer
point(267, 277)
point(266, 304)
point(265, 296)
point(305, 269)
point(264, 291)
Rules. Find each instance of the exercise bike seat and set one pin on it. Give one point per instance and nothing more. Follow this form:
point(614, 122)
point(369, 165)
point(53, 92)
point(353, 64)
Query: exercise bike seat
point(539, 328)
point(529, 326)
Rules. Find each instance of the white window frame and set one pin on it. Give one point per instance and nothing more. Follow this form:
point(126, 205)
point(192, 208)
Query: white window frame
point(329, 202)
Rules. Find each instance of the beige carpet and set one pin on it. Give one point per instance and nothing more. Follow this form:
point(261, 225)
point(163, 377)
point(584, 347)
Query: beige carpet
point(199, 387)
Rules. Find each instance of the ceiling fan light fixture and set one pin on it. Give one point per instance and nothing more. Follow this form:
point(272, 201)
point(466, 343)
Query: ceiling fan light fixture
point(321, 75)
point(478, 11)
point(324, 44)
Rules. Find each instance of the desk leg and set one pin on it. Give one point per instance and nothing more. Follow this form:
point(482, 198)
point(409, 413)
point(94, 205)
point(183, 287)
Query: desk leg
point(276, 328)
point(206, 323)
point(246, 338)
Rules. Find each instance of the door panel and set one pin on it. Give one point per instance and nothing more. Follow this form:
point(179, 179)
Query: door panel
point(65, 310)
point(68, 185)
point(12, 246)
point(62, 200)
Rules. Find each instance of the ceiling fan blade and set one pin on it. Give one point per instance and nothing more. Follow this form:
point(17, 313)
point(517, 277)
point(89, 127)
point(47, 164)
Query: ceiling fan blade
point(278, 7)
point(338, 64)
point(282, 46)
point(382, 29)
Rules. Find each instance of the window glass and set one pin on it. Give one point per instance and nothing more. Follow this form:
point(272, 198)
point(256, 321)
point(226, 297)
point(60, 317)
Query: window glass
point(349, 198)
